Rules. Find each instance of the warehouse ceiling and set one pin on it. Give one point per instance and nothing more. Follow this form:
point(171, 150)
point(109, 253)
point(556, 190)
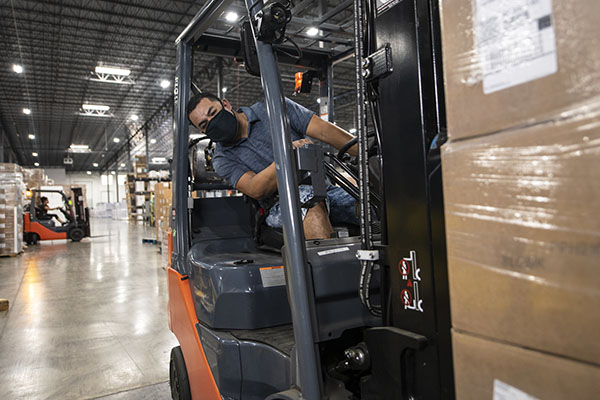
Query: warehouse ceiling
point(59, 44)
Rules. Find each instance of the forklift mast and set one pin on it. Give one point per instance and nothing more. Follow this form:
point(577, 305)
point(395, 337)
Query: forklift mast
point(411, 108)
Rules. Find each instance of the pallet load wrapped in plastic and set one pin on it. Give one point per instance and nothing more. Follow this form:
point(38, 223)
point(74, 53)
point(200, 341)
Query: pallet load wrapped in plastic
point(34, 178)
point(162, 208)
point(521, 176)
point(11, 209)
point(120, 211)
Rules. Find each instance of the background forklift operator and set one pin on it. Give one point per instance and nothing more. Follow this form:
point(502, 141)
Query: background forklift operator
point(244, 156)
point(45, 207)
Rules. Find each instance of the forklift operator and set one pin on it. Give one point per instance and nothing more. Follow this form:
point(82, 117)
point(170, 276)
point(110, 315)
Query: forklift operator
point(244, 156)
point(45, 208)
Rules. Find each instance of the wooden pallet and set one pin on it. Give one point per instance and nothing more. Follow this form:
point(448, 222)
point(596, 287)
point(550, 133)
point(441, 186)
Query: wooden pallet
point(11, 254)
point(3, 304)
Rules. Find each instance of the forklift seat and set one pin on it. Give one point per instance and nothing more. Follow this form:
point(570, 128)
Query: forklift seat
point(236, 285)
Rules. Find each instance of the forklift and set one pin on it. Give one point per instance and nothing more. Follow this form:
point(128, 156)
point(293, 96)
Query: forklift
point(359, 317)
point(39, 225)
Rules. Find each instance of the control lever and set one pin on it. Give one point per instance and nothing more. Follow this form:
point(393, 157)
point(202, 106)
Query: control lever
point(309, 159)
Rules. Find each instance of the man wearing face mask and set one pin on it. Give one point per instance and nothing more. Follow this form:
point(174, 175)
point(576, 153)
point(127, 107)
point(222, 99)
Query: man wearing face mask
point(244, 156)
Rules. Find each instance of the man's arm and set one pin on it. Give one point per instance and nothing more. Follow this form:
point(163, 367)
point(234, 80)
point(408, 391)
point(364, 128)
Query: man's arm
point(258, 186)
point(329, 133)
point(262, 185)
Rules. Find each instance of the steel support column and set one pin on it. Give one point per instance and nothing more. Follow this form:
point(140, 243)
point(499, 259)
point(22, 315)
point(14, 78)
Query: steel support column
point(220, 93)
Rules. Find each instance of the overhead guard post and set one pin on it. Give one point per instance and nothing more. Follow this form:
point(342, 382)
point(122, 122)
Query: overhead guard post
point(293, 233)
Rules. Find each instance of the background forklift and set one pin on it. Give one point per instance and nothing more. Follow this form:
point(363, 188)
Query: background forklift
point(37, 225)
point(358, 317)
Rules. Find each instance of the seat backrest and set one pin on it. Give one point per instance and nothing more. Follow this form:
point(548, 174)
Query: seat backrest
point(221, 218)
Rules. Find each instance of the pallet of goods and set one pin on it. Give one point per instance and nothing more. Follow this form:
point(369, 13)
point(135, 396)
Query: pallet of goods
point(11, 209)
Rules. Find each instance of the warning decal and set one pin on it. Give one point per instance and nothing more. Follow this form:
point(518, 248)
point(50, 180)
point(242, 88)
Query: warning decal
point(272, 276)
point(333, 251)
point(406, 297)
point(411, 275)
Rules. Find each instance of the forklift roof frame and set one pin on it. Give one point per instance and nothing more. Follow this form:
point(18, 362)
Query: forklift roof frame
point(308, 366)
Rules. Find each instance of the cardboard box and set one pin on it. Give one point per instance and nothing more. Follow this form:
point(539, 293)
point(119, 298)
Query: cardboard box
point(162, 207)
point(486, 369)
point(515, 63)
point(522, 213)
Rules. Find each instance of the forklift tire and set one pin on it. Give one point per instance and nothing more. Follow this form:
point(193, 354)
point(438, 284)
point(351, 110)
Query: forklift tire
point(34, 238)
point(178, 377)
point(76, 234)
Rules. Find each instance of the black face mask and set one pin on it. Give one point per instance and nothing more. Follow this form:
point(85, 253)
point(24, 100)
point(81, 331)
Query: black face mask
point(223, 127)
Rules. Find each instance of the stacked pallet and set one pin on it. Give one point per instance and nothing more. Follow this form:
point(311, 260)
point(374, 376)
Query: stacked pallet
point(11, 209)
point(162, 209)
point(140, 166)
point(521, 173)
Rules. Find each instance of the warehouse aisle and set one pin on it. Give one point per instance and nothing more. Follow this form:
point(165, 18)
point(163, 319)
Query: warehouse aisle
point(86, 319)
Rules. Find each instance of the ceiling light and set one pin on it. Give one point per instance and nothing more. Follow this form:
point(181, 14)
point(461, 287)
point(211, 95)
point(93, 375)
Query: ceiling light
point(231, 16)
point(134, 117)
point(165, 84)
point(89, 172)
point(116, 140)
point(319, 100)
point(112, 71)
point(34, 154)
point(37, 164)
point(17, 68)
point(31, 136)
point(224, 90)
point(112, 172)
point(95, 107)
point(312, 31)
point(122, 165)
point(152, 141)
point(352, 130)
point(159, 160)
point(79, 148)
point(26, 111)
point(95, 165)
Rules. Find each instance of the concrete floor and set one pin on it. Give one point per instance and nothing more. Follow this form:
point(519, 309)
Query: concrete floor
point(86, 320)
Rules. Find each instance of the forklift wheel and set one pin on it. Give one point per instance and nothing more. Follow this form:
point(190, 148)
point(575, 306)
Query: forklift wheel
point(178, 377)
point(33, 238)
point(76, 234)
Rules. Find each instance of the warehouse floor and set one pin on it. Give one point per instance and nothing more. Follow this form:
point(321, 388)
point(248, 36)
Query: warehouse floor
point(86, 319)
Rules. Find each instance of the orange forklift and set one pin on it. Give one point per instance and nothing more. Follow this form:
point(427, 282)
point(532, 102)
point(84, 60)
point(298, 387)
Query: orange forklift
point(40, 225)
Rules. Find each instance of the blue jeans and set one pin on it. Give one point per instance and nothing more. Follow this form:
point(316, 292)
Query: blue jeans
point(340, 206)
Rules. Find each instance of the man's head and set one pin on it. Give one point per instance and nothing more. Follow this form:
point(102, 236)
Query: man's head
point(213, 117)
point(44, 200)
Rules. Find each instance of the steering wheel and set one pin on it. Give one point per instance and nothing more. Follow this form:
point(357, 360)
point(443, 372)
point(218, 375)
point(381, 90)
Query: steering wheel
point(344, 149)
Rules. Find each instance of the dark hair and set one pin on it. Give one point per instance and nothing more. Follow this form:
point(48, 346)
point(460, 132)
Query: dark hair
point(43, 199)
point(196, 99)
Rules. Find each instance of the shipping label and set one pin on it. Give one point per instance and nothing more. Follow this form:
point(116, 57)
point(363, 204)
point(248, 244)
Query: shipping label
point(515, 42)
point(504, 391)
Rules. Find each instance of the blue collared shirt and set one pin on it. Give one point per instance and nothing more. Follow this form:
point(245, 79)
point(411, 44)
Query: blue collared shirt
point(255, 152)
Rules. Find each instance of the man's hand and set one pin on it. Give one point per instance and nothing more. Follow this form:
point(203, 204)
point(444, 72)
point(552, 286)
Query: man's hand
point(301, 142)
